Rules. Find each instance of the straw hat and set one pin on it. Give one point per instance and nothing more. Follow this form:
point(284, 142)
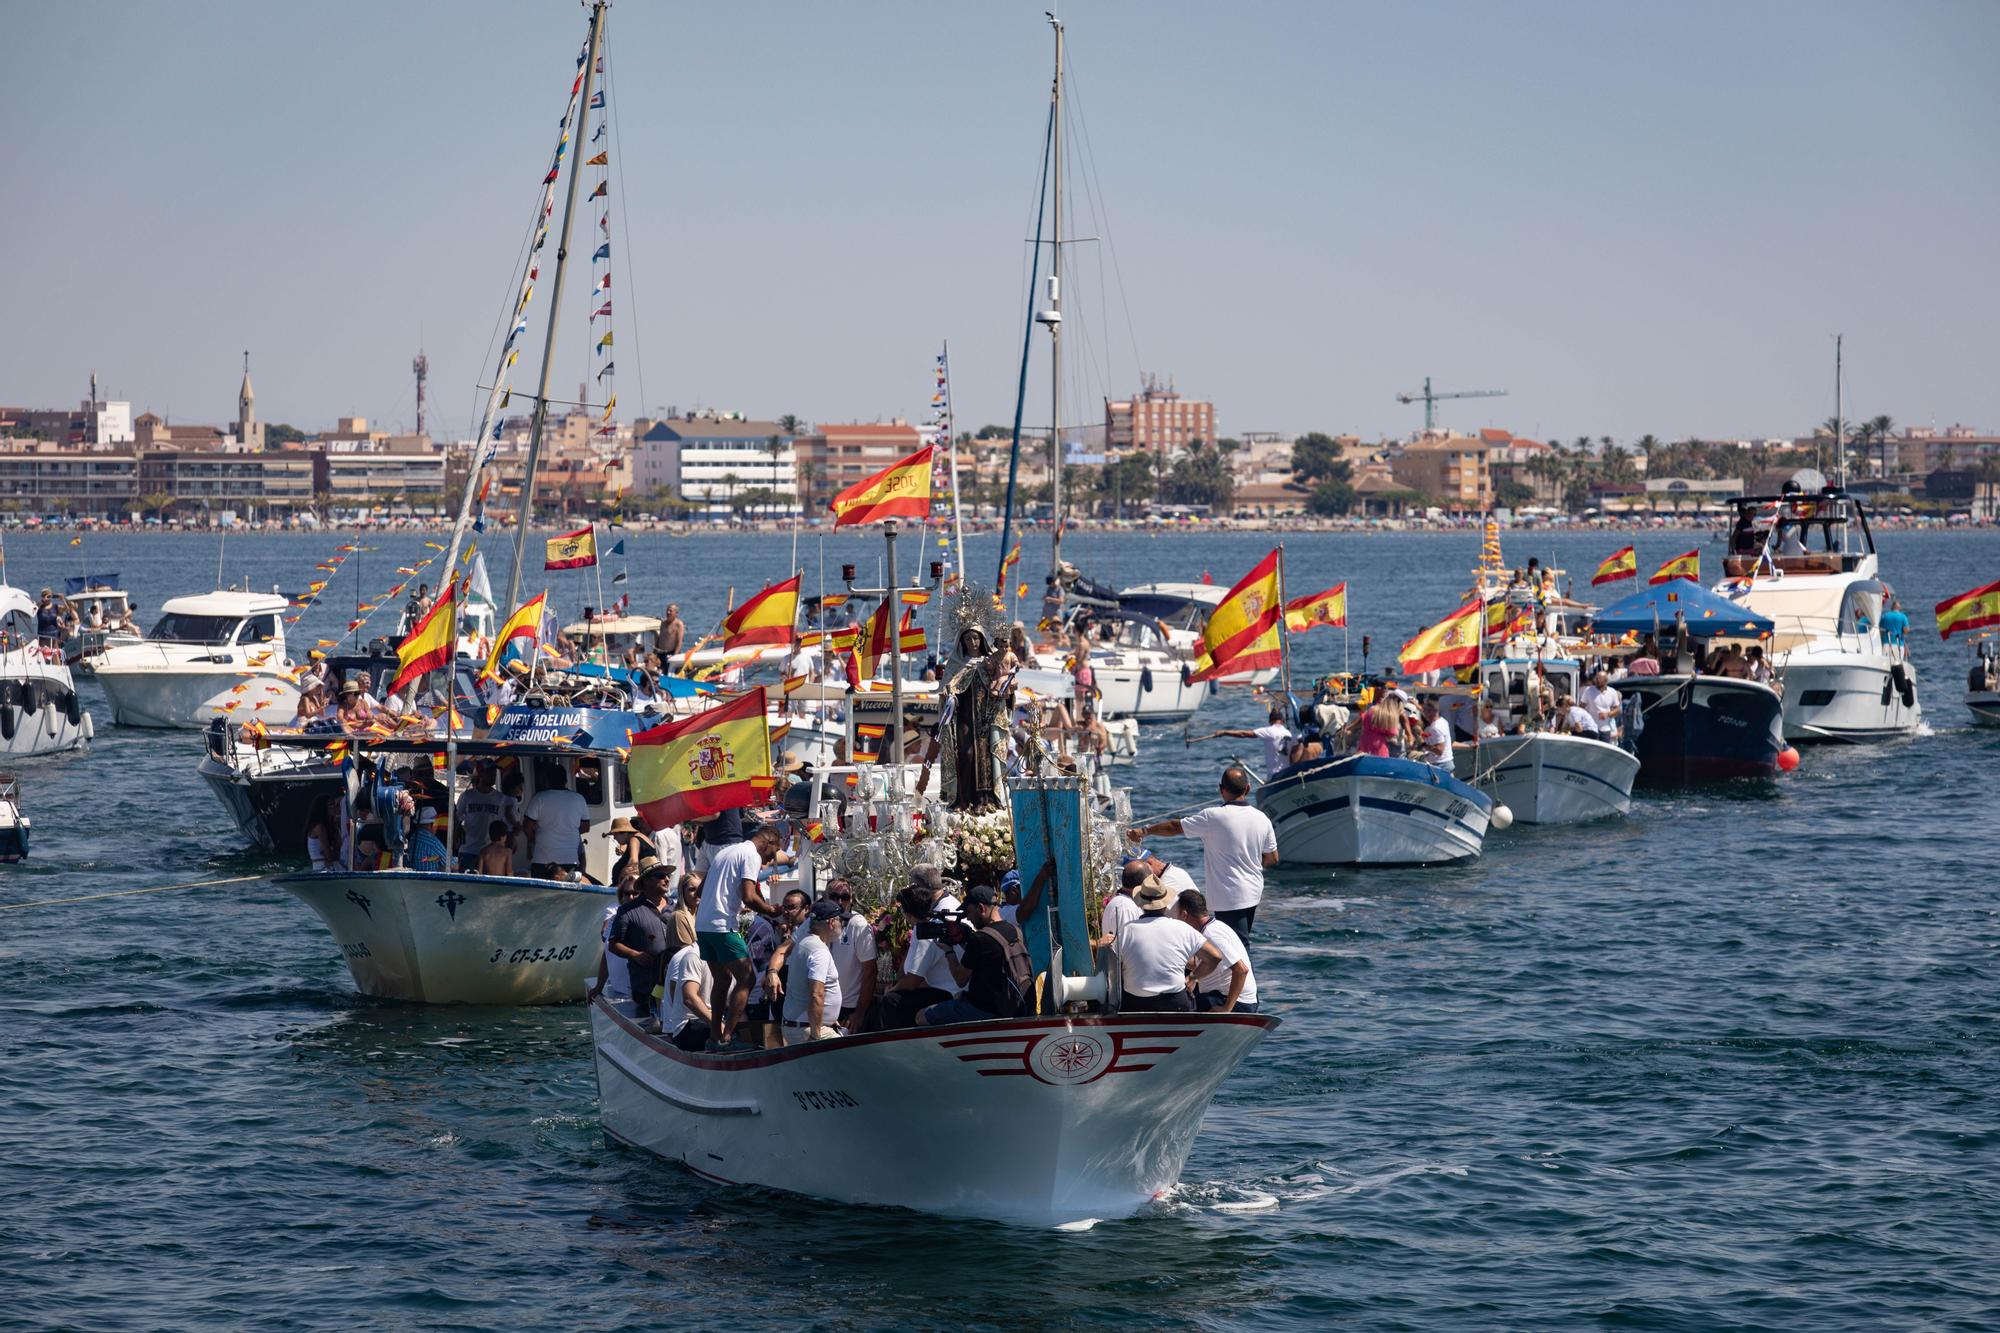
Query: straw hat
point(624, 825)
point(1151, 895)
point(349, 686)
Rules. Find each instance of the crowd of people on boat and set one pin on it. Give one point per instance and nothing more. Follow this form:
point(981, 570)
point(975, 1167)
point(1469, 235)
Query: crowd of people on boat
point(58, 618)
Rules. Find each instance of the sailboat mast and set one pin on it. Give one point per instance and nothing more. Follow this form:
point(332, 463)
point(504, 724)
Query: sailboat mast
point(1839, 425)
point(541, 418)
point(1053, 315)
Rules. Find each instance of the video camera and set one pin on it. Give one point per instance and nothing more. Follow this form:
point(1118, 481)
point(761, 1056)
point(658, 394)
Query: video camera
point(951, 927)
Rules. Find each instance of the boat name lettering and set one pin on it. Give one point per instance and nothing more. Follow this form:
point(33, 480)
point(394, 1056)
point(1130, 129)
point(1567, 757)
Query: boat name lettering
point(831, 1099)
point(541, 725)
point(356, 950)
point(1456, 809)
point(551, 954)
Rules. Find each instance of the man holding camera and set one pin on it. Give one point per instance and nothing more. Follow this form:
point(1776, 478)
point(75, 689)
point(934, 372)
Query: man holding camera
point(927, 978)
point(993, 965)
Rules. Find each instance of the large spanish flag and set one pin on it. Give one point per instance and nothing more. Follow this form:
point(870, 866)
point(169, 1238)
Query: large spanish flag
point(1622, 565)
point(1242, 631)
point(573, 550)
point(901, 490)
point(525, 623)
point(701, 765)
point(1680, 567)
point(432, 643)
point(1322, 608)
point(1452, 642)
point(1969, 610)
point(764, 618)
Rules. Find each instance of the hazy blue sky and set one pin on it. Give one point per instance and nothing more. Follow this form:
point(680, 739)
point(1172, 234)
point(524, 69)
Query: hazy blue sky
point(1633, 218)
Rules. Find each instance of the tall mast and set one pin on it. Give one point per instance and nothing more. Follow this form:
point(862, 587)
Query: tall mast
point(555, 315)
point(1053, 315)
point(1839, 425)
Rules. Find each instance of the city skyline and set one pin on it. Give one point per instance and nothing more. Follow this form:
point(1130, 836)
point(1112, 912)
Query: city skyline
point(1633, 224)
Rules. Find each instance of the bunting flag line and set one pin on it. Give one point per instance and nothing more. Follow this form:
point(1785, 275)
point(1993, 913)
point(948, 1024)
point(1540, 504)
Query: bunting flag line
point(1620, 565)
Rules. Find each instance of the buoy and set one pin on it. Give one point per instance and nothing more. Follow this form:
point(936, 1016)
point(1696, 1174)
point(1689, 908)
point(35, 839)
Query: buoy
point(1502, 816)
point(1788, 759)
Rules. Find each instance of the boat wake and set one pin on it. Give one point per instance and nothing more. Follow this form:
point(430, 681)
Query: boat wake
point(1275, 1192)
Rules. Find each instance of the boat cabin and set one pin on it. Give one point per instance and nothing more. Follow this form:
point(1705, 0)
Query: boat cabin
point(1513, 685)
point(1798, 533)
point(222, 619)
point(604, 637)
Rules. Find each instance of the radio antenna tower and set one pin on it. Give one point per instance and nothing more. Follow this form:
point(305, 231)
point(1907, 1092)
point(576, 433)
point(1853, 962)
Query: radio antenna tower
point(421, 367)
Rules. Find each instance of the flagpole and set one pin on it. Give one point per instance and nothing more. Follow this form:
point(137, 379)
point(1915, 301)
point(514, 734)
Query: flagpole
point(597, 576)
point(1284, 638)
point(951, 438)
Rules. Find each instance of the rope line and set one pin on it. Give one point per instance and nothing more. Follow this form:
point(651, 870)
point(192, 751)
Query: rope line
point(127, 893)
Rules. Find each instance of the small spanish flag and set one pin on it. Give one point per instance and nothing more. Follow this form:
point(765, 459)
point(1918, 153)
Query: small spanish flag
point(1969, 610)
point(1686, 566)
point(573, 550)
point(871, 730)
point(815, 830)
point(915, 596)
point(1322, 608)
point(1622, 565)
point(764, 618)
point(1013, 559)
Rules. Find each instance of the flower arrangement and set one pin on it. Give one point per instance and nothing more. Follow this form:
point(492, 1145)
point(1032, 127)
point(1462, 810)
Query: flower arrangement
point(982, 845)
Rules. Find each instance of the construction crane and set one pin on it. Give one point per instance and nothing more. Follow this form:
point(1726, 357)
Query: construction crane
point(1430, 400)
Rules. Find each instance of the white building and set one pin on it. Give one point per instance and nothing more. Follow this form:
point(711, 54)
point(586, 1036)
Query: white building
point(709, 459)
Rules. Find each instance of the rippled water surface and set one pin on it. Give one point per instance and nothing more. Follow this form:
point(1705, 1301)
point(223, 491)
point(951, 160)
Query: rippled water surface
point(1729, 1062)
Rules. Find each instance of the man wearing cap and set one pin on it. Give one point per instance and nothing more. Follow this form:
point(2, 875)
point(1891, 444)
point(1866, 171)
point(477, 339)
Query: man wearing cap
point(614, 973)
point(1238, 844)
point(926, 974)
point(812, 982)
point(426, 848)
point(1231, 987)
point(993, 967)
point(1010, 897)
point(853, 956)
point(730, 884)
point(1158, 955)
point(639, 936)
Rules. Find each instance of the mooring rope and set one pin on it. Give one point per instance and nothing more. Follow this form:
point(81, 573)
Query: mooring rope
point(126, 893)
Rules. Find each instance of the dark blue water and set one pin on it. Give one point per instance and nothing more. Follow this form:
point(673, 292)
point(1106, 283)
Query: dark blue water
point(1728, 1063)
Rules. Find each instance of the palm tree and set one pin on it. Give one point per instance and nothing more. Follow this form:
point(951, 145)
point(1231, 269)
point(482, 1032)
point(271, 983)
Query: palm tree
point(1880, 427)
point(730, 481)
point(774, 446)
point(788, 424)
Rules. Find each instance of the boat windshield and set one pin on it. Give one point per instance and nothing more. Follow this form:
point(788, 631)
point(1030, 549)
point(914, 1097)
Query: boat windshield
point(179, 627)
point(1173, 612)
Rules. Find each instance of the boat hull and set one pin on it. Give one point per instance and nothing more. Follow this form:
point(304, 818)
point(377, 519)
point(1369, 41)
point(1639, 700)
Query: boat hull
point(1361, 810)
point(1148, 694)
point(1984, 706)
point(1849, 696)
point(272, 808)
point(174, 697)
point(430, 938)
point(39, 710)
point(1705, 729)
point(1079, 1119)
point(1545, 778)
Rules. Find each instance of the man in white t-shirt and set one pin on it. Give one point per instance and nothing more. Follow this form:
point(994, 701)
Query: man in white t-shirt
point(812, 982)
point(689, 1020)
point(1575, 718)
point(1238, 844)
point(1437, 736)
point(1276, 736)
point(556, 819)
point(1231, 987)
point(1173, 876)
point(1119, 909)
point(731, 884)
point(1158, 955)
point(1603, 703)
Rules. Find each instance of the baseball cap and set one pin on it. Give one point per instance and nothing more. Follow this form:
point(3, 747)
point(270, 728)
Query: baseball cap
point(1010, 880)
point(826, 909)
point(982, 893)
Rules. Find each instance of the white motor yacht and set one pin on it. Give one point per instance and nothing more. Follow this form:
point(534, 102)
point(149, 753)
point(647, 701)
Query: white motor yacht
point(202, 647)
point(1137, 672)
point(39, 709)
point(1808, 562)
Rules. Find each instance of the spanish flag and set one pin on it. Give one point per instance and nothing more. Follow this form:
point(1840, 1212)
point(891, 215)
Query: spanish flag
point(871, 648)
point(764, 618)
point(910, 636)
point(525, 623)
point(1680, 567)
point(1622, 565)
point(573, 550)
point(901, 490)
point(1013, 559)
point(1452, 642)
point(1501, 624)
point(1969, 610)
point(1322, 608)
point(433, 643)
point(702, 765)
point(1242, 631)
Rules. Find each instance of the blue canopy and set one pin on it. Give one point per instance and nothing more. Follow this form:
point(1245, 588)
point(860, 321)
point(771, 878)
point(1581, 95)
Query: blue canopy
point(674, 687)
point(91, 583)
point(1654, 608)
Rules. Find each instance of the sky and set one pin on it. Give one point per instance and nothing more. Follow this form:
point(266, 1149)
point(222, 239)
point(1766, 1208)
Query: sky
point(1634, 219)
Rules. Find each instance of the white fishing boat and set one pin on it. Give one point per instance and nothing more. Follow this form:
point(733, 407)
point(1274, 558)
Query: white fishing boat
point(1081, 1118)
point(1183, 609)
point(202, 647)
point(1542, 776)
point(430, 937)
point(1363, 810)
point(40, 712)
point(1808, 563)
point(1982, 684)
